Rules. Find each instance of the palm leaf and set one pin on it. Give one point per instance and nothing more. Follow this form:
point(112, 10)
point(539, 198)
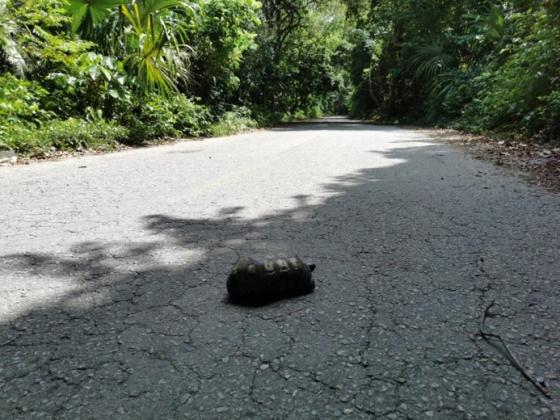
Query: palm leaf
point(8, 44)
point(156, 45)
point(86, 14)
point(429, 61)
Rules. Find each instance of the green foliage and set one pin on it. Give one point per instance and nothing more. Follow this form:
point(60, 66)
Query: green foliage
point(224, 31)
point(87, 14)
point(161, 117)
point(479, 65)
point(56, 60)
point(238, 119)
point(10, 52)
point(151, 39)
point(155, 43)
point(19, 101)
point(70, 69)
point(299, 63)
point(92, 81)
point(44, 37)
point(518, 91)
point(62, 135)
point(548, 113)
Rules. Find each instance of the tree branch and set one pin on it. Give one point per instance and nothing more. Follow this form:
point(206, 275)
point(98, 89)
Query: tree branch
point(507, 353)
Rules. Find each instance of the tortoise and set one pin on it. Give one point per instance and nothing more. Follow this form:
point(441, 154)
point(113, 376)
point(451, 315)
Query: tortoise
point(253, 281)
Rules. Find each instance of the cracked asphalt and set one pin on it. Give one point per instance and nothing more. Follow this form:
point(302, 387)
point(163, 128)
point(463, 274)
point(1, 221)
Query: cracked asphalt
point(113, 270)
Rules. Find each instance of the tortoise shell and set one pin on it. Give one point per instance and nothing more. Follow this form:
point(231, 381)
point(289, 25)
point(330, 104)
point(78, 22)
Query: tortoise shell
point(253, 280)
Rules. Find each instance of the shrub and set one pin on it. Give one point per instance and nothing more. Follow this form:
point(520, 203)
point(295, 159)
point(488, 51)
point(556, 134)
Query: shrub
point(315, 112)
point(238, 119)
point(312, 112)
point(264, 117)
point(19, 101)
point(549, 114)
point(191, 119)
point(161, 117)
point(62, 135)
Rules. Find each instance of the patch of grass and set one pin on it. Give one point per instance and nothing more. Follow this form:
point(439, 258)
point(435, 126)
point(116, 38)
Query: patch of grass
point(70, 134)
point(239, 119)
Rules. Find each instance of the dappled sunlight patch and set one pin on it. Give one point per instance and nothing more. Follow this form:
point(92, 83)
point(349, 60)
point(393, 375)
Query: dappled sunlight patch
point(85, 277)
point(80, 300)
point(24, 297)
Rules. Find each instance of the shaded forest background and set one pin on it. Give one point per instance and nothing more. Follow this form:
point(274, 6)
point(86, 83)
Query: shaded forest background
point(78, 74)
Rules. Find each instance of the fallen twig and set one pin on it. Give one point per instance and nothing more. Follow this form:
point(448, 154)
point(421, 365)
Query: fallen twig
point(507, 353)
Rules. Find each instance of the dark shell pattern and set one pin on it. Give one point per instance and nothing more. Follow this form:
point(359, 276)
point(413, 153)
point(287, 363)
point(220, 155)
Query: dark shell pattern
point(253, 280)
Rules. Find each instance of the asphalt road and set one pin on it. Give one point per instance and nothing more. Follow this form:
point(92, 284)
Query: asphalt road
point(113, 269)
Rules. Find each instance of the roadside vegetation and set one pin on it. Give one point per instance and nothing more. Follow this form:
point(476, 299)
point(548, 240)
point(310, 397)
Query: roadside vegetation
point(477, 65)
point(78, 74)
point(93, 73)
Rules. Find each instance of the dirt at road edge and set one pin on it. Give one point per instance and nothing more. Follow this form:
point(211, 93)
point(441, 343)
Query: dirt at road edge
point(537, 163)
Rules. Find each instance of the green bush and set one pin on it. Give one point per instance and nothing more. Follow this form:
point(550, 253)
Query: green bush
point(238, 119)
point(264, 117)
point(315, 112)
point(92, 81)
point(62, 135)
point(483, 66)
point(312, 112)
point(19, 101)
point(548, 113)
point(520, 93)
point(161, 117)
point(191, 119)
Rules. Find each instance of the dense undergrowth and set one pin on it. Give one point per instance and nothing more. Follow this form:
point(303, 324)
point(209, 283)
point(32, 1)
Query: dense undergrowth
point(475, 65)
point(78, 74)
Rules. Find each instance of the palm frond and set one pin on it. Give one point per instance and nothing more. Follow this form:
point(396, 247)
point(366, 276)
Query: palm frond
point(429, 61)
point(9, 47)
point(87, 14)
point(157, 51)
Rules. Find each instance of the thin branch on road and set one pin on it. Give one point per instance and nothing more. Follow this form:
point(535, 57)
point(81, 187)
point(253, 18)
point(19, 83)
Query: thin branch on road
point(507, 353)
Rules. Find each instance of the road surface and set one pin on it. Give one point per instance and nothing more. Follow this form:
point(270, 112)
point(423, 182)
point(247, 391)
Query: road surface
point(113, 268)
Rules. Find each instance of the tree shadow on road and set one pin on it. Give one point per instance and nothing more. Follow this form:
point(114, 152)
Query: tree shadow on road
point(343, 125)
